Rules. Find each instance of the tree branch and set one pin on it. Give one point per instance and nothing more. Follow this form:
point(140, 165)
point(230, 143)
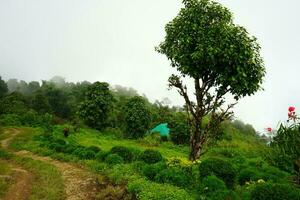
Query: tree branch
point(174, 81)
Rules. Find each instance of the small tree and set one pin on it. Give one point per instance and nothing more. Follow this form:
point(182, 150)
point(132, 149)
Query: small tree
point(204, 44)
point(95, 108)
point(137, 117)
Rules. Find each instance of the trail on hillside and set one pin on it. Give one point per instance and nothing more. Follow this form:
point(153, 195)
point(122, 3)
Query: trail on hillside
point(20, 189)
point(79, 184)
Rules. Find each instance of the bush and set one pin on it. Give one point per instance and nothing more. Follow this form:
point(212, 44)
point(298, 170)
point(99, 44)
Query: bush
point(220, 168)
point(151, 156)
point(95, 149)
point(248, 174)
point(179, 129)
point(146, 190)
point(59, 141)
point(100, 156)
point(10, 120)
point(215, 189)
point(150, 171)
point(286, 146)
point(174, 176)
point(84, 153)
point(114, 159)
point(124, 152)
point(69, 148)
point(273, 174)
point(212, 184)
point(268, 191)
point(58, 147)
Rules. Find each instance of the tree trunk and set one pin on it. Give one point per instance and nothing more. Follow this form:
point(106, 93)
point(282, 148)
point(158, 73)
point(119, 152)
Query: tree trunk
point(195, 151)
point(195, 144)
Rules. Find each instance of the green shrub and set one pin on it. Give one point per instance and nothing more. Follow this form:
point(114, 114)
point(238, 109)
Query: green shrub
point(179, 128)
point(100, 156)
point(59, 141)
point(151, 170)
point(220, 168)
point(146, 190)
point(69, 148)
point(84, 153)
point(124, 152)
point(273, 174)
point(248, 174)
point(267, 191)
point(151, 156)
point(114, 159)
point(285, 146)
point(136, 153)
point(215, 189)
point(95, 149)
point(59, 147)
point(211, 184)
point(10, 120)
point(174, 176)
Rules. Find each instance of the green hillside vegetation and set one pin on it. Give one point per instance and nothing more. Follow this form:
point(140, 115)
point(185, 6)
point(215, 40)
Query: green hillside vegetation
point(237, 161)
point(64, 140)
point(235, 164)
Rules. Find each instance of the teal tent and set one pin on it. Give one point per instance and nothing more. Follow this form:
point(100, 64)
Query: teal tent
point(162, 129)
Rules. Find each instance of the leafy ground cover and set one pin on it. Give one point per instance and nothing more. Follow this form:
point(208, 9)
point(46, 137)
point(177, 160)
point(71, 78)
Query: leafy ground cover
point(236, 161)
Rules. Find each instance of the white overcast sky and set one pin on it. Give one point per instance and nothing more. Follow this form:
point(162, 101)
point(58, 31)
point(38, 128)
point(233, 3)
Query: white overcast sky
point(114, 40)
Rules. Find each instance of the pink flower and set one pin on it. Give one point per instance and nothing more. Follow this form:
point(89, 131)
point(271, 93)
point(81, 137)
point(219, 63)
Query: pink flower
point(290, 114)
point(291, 109)
point(269, 129)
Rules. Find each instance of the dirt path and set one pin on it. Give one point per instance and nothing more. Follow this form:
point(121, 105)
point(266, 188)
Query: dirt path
point(79, 184)
point(20, 189)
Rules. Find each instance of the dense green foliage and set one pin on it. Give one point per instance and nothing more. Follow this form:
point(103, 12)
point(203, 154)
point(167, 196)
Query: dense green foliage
point(3, 88)
point(95, 108)
point(286, 148)
point(113, 159)
point(124, 152)
point(221, 174)
point(275, 191)
point(137, 117)
point(220, 168)
point(203, 43)
point(179, 128)
point(151, 156)
point(215, 189)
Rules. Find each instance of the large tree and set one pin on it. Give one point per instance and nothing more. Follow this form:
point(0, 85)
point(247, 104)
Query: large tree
point(95, 108)
point(204, 44)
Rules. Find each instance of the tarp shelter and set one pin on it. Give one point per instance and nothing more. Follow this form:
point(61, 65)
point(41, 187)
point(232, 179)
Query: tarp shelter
point(162, 129)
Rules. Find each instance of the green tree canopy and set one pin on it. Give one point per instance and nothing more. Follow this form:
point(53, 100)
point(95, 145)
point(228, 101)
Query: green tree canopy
point(95, 108)
point(204, 44)
point(137, 117)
